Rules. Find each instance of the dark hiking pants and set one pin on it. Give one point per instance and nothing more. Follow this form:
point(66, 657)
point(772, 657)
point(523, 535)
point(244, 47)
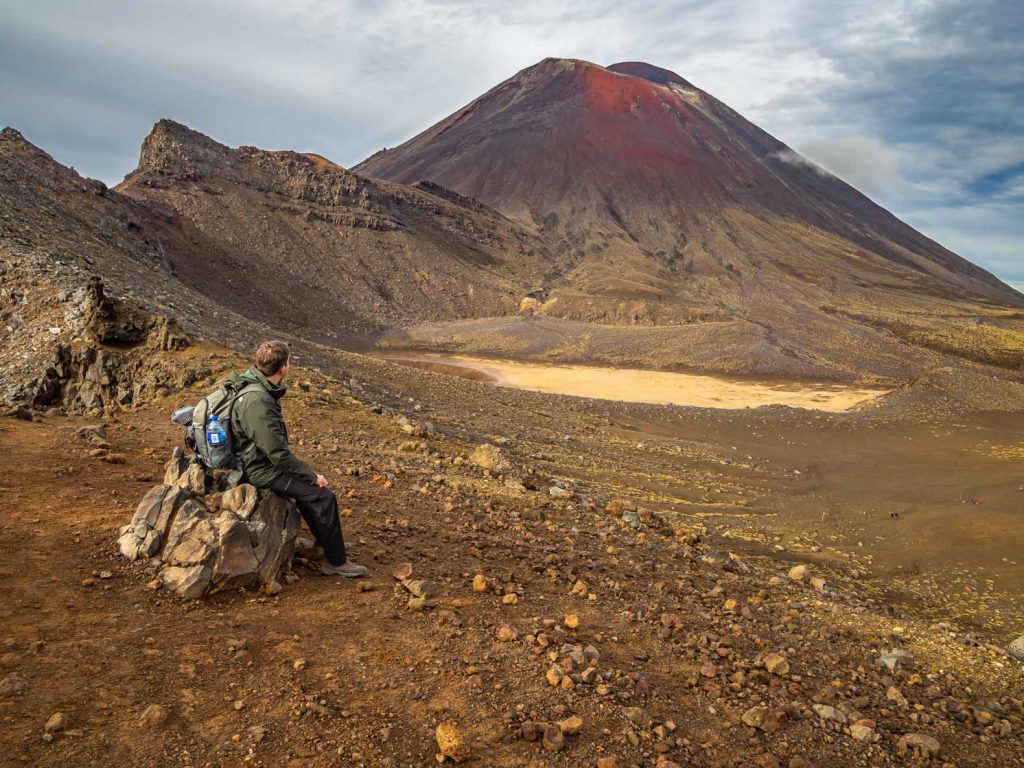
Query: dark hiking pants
point(319, 508)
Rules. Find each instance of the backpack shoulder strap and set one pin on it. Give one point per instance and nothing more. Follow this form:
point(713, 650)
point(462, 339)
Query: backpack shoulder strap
point(235, 395)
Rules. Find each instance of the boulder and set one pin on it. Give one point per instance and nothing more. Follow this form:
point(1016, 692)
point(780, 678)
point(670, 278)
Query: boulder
point(761, 718)
point(274, 526)
point(236, 564)
point(175, 467)
point(246, 539)
point(490, 457)
point(145, 534)
point(451, 743)
point(1016, 648)
point(188, 583)
point(194, 479)
point(927, 746)
point(241, 500)
point(192, 539)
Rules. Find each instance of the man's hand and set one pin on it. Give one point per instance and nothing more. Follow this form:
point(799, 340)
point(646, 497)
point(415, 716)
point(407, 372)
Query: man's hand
point(321, 481)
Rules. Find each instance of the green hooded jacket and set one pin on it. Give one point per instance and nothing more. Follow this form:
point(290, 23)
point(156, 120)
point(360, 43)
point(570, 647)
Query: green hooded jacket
point(260, 437)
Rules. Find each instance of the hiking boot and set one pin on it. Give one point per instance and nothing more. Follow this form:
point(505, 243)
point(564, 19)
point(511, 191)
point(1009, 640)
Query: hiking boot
point(348, 570)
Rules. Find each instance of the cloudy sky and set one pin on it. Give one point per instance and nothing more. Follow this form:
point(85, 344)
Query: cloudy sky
point(918, 103)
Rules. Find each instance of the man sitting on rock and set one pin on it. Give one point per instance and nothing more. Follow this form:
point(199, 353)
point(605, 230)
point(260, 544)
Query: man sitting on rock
point(261, 440)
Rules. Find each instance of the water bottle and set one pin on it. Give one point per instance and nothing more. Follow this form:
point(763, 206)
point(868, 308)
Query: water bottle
point(215, 435)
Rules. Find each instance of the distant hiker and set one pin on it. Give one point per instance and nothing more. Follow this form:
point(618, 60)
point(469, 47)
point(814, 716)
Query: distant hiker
point(261, 441)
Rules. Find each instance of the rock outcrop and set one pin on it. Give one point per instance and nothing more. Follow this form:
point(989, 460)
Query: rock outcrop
point(209, 537)
point(80, 350)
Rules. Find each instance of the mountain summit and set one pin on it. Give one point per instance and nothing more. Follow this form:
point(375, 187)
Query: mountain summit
point(666, 206)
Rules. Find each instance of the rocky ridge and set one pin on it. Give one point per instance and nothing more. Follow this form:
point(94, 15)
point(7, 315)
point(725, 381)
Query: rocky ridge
point(312, 241)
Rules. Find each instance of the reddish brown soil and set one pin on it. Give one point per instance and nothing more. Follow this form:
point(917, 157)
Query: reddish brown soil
point(378, 676)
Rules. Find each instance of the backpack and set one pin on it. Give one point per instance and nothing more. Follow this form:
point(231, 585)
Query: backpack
point(219, 403)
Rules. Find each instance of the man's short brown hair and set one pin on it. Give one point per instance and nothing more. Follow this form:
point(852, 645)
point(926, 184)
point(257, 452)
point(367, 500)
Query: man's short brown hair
point(271, 357)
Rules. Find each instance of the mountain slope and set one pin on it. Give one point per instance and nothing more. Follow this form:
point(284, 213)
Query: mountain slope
point(322, 251)
point(668, 207)
point(261, 243)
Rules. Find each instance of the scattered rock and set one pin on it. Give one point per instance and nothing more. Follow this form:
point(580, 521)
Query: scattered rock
point(506, 633)
point(57, 722)
point(798, 572)
point(12, 685)
point(553, 739)
point(531, 731)
point(480, 583)
point(826, 712)
point(451, 743)
point(863, 732)
point(1016, 648)
point(927, 745)
point(489, 457)
point(403, 572)
point(761, 718)
point(571, 725)
point(420, 603)
point(153, 716)
point(895, 660)
point(554, 675)
point(776, 664)
point(638, 716)
point(420, 588)
point(20, 412)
